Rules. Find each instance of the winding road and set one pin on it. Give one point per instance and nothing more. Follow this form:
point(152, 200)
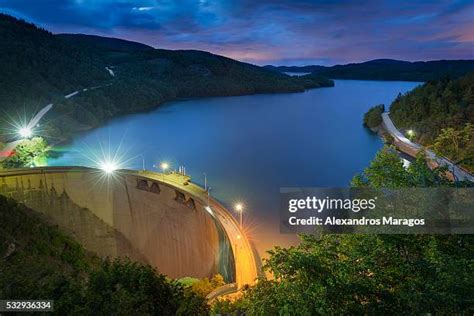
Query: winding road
point(10, 147)
point(459, 174)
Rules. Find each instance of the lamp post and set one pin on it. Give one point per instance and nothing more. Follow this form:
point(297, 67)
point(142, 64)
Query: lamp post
point(205, 181)
point(208, 195)
point(239, 208)
point(164, 166)
point(143, 161)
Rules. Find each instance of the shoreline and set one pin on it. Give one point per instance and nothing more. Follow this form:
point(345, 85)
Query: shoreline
point(68, 139)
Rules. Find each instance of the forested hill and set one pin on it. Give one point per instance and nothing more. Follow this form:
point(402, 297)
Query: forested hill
point(106, 44)
point(435, 105)
point(439, 112)
point(35, 65)
point(388, 69)
point(39, 67)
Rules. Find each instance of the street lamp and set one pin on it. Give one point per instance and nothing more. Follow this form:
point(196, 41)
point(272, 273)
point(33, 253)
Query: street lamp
point(143, 161)
point(208, 194)
point(164, 166)
point(239, 208)
point(410, 133)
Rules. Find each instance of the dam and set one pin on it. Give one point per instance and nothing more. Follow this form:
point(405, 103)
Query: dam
point(159, 219)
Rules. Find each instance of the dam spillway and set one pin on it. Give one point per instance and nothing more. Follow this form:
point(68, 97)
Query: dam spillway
point(148, 217)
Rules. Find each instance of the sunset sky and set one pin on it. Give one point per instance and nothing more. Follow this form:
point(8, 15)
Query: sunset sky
point(280, 32)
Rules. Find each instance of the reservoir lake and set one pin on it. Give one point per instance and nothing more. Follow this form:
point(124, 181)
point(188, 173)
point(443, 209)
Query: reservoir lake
point(249, 146)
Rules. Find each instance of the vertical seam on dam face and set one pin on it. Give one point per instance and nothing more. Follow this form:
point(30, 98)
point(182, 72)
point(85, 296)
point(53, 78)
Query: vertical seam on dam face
point(128, 198)
point(179, 239)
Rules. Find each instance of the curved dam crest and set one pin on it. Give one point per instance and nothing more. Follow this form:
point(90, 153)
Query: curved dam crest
point(137, 215)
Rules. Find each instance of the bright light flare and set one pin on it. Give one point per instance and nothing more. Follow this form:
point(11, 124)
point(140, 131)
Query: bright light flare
point(411, 132)
point(164, 166)
point(25, 132)
point(239, 207)
point(109, 167)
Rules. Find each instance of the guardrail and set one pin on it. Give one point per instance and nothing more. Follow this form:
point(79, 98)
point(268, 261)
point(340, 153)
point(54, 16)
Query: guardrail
point(223, 290)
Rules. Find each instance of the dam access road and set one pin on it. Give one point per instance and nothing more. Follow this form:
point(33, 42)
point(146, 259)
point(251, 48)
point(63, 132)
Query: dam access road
point(412, 148)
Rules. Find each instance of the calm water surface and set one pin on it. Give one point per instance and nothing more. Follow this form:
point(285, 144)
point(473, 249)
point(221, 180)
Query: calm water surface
point(250, 146)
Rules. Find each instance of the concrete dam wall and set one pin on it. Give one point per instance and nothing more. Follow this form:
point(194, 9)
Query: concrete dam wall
point(136, 215)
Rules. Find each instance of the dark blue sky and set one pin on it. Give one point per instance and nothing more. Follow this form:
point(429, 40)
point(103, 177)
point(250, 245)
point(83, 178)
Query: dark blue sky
point(289, 32)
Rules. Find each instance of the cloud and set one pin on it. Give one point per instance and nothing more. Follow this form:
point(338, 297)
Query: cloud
point(272, 31)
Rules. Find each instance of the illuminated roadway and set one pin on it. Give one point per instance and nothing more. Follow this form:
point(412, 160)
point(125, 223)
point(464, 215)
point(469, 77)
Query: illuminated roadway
point(459, 173)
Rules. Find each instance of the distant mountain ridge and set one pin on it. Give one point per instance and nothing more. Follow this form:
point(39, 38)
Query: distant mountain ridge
point(388, 69)
point(105, 43)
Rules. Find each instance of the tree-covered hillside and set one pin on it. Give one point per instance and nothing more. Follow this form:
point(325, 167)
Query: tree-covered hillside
point(389, 69)
point(39, 67)
point(434, 106)
point(440, 113)
point(36, 66)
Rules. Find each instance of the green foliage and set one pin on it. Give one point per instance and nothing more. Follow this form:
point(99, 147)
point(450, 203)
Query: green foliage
point(367, 274)
point(26, 152)
point(457, 145)
point(124, 287)
point(227, 307)
point(387, 171)
point(388, 138)
point(187, 281)
point(37, 261)
point(36, 67)
point(314, 80)
point(437, 112)
point(434, 106)
point(204, 286)
point(373, 117)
